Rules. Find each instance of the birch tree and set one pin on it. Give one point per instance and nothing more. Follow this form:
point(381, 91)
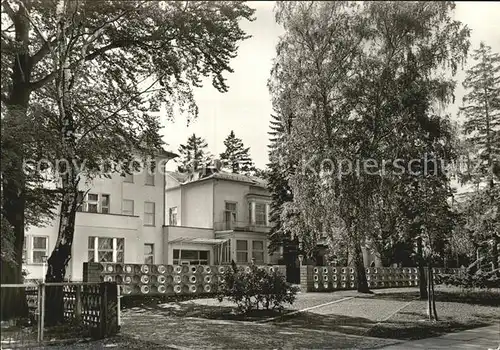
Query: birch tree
point(115, 50)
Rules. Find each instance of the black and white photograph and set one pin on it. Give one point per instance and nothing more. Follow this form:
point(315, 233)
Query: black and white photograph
point(262, 175)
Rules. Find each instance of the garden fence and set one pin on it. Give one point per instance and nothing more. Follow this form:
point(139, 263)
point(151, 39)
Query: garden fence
point(91, 310)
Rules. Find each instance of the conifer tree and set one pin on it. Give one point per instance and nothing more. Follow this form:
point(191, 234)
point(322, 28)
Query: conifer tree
point(482, 129)
point(482, 110)
point(236, 158)
point(277, 183)
point(193, 155)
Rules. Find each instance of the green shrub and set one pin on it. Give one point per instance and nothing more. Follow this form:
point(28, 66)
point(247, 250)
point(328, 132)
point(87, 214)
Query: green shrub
point(255, 288)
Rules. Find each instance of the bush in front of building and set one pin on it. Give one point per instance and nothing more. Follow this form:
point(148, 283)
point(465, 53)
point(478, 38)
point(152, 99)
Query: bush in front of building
point(253, 288)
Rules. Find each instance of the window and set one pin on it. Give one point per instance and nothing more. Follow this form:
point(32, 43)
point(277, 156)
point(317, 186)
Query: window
point(172, 216)
point(105, 203)
point(230, 212)
point(94, 203)
point(241, 251)
point(258, 214)
point(128, 178)
point(223, 252)
point(258, 251)
point(106, 249)
point(150, 174)
point(25, 250)
point(191, 257)
point(40, 249)
point(149, 253)
point(149, 214)
point(128, 207)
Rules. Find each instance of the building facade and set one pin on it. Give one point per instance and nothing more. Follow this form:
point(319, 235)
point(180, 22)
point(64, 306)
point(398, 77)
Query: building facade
point(120, 219)
point(161, 218)
point(216, 218)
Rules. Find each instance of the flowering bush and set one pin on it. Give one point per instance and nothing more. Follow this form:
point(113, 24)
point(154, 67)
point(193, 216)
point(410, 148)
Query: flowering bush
point(255, 288)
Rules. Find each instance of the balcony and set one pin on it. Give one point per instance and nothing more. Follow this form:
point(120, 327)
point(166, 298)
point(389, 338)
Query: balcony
point(107, 221)
point(240, 226)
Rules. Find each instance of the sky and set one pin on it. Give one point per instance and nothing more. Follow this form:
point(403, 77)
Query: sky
point(246, 107)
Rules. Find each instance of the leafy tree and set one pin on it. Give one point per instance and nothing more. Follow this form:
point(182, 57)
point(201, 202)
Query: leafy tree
point(261, 173)
point(124, 48)
point(310, 75)
point(236, 157)
point(482, 129)
point(193, 155)
point(349, 67)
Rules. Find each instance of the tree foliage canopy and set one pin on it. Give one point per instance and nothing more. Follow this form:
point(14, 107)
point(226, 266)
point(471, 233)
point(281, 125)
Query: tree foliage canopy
point(236, 158)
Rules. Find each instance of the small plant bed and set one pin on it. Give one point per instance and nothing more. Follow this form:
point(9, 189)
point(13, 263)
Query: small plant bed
point(254, 289)
point(212, 312)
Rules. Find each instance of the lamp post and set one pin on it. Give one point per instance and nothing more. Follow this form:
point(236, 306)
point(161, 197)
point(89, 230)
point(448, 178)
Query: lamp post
point(44, 263)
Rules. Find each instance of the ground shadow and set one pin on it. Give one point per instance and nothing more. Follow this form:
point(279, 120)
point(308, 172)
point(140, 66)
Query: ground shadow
point(212, 312)
point(401, 330)
point(485, 298)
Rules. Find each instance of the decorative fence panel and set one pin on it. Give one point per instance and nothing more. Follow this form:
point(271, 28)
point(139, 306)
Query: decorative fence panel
point(331, 278)
point(144, 279)
point(89, 309)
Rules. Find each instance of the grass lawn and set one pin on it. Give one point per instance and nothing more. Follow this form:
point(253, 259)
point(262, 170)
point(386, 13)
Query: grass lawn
point(344, 319)
point(457, 310)
point(401, 315)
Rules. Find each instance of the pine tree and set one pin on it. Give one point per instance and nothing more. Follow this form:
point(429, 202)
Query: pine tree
point(482, 130)
point(482, 110)
point(193, 155)
point(236, 157)
point(281, 193)
point(277, 183)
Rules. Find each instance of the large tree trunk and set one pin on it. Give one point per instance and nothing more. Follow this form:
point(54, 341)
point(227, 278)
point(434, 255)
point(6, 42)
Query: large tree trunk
point(431, 302)
point(61, 255)
point(421, 271)
point(13, 300)
point(429, 298)
point(13, 180)
point(360, 268)
point(68, 172)
point(433, 295)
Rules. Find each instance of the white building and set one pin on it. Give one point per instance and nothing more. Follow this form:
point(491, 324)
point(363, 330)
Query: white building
point(216, 218)
point(120, 220)
point(161, 219)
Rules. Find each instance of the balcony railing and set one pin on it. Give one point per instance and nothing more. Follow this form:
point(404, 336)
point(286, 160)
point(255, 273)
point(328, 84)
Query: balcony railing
point(240, 226)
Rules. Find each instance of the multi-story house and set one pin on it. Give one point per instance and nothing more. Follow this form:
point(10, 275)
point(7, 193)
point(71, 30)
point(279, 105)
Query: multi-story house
point(215, 218)
point(120, 220)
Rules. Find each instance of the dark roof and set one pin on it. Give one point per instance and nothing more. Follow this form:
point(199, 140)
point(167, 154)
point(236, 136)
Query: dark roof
point(184, 178)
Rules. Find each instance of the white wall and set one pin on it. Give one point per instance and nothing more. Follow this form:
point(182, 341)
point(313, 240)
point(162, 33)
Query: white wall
point(230, 191)
point(197, 204)
point(99, 225)
point(173, 199)
point(107, 225)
